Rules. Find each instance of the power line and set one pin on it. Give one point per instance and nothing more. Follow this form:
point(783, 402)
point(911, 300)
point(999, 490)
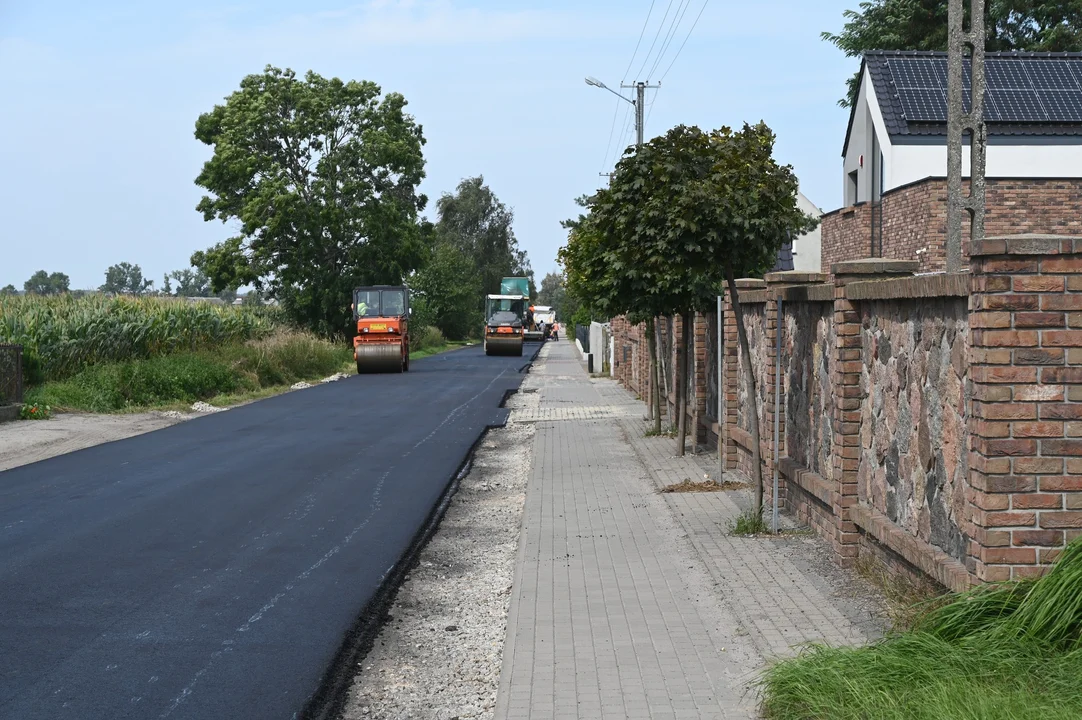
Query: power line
point(656, 36)
point(641, 33)
point(650, 105)
point(618, 150)
point(685, 39)
point(678, 19)
point(612, 130)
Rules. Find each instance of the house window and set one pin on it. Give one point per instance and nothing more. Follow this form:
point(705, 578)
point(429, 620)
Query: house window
point(852, 189)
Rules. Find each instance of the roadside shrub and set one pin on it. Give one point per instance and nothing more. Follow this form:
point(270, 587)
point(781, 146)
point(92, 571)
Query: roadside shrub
point(426, 339)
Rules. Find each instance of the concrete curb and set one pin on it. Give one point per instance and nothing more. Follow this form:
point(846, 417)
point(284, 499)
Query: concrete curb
point(9, 413)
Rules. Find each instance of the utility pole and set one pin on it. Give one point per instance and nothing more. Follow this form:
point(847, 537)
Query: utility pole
point(959, 123)
point(640, 107)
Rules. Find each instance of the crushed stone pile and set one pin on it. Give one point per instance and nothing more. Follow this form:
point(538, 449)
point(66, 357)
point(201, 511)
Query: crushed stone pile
point(202, 407)
point(334, 378)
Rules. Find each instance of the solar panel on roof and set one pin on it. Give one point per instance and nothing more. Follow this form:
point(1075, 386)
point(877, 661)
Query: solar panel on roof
point(1014, 106)
point(1062, 105)
point(924, 105)
point(1051, 74)
point(1019, 90)
point(917, 73)
point(1005, 75)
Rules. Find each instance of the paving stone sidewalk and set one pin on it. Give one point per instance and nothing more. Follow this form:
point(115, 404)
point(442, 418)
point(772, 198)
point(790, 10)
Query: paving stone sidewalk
point(628, 603)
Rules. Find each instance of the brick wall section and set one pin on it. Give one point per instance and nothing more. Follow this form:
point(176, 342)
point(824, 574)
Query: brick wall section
point(846, 235)
point(1026, 425)
point(914, 432)
point(915, 219)
point(1020, 501)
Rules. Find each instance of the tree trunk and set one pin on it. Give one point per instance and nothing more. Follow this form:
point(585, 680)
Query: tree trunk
point(664, 359)
point(749, 380)
point(681, 386)
point(655, 388)
point(694, 380)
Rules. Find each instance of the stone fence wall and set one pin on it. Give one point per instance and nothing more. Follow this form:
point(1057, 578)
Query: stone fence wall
point(933, 422)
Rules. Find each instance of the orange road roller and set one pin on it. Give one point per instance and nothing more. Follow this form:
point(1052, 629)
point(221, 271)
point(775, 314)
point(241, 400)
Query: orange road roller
point(382, 343)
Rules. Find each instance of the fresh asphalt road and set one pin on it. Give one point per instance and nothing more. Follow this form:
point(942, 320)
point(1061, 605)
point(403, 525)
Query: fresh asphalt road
point(212, 569)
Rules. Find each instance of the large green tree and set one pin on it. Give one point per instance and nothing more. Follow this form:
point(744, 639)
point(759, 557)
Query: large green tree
point(43, 283)
point(190, 283)
point(8, 290)
point(322, 177)
point(553, 293)
point(685, 215)
point(475, 221)
point(1033, 25)
point(126, 279)
point(447, 292)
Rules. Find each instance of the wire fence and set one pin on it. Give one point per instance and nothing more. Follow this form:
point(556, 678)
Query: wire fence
point(11, 374)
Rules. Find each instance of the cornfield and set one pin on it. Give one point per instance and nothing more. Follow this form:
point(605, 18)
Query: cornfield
point(62, 335)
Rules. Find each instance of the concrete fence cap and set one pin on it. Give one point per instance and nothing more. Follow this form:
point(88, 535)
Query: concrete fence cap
point(794, 277)
point(875, 266)
point(750, 284)
point(1028, 244)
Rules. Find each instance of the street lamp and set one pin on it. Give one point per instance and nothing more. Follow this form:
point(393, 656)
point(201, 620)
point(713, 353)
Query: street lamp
point(640, 89)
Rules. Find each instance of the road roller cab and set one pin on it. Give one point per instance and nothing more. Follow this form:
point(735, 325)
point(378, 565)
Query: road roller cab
point(504, 326)
point(382, 343)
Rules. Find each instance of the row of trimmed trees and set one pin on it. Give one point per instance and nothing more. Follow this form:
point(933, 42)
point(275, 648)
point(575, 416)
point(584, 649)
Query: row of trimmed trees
point(683, 217)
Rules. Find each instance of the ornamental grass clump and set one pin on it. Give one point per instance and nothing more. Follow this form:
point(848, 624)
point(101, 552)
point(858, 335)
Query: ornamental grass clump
point(1006, 651)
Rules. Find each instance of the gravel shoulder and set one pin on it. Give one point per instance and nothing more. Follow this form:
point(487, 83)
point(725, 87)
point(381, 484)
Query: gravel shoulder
point(24, 442)
point(440, 650)
point(28, 441)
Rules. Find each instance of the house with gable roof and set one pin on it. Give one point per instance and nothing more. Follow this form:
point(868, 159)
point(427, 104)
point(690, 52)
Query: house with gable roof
point(894, 157)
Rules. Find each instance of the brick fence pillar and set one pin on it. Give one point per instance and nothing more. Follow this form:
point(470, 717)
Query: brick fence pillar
point(1025, 469)
point(848, 395)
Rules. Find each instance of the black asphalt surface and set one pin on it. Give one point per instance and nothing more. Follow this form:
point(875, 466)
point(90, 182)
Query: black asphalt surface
point(212, 569)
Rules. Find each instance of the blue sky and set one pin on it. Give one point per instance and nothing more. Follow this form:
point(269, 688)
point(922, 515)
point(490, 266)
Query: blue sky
point(100, 102)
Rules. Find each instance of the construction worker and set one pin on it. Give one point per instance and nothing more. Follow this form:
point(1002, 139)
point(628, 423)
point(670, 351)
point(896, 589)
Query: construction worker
point(555, 331)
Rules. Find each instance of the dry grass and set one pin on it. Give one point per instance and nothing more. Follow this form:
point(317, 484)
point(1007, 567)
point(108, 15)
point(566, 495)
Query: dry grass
point(907, 598)
point(688, 486)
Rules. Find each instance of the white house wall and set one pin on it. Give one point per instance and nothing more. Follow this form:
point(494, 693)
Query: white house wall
point(807, 249)
point(867, 125)
point(910, 163)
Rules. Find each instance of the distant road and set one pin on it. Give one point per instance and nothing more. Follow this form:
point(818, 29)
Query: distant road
point(212, 569)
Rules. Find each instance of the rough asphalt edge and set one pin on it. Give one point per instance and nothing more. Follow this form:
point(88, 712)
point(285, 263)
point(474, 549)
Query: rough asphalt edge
point(330, 699)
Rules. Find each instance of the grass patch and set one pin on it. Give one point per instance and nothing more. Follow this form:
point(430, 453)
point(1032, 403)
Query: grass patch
point(659, 433)
point(995, 653)
point(688, 486)
point(237, 370)
point(749, 522)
